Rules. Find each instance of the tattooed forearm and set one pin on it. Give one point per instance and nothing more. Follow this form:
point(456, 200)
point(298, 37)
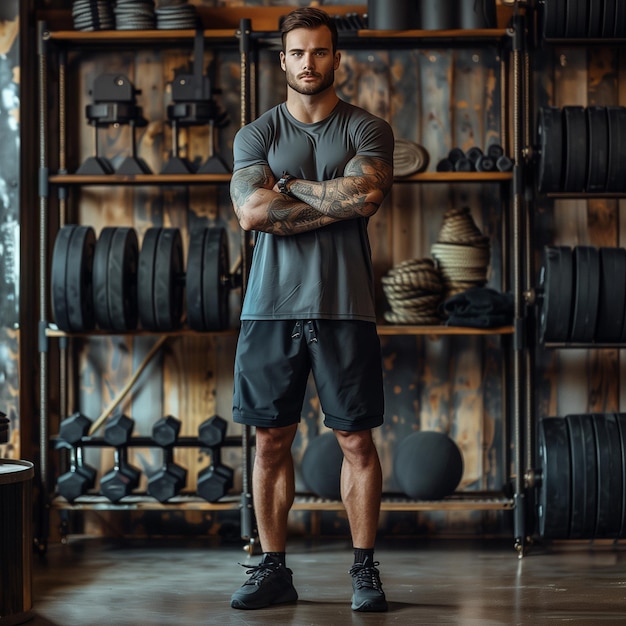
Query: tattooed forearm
point(286, 217)
point(359, 193)
point(258, 207)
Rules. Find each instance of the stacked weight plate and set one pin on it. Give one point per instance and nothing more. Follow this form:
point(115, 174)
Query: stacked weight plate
point(582, 19)
point(583, 295)
point(109, 283)
point(582, 491)
point(581, 149)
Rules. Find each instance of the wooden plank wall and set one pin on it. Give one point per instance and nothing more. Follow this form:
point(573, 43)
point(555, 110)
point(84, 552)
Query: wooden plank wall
point(440, 98)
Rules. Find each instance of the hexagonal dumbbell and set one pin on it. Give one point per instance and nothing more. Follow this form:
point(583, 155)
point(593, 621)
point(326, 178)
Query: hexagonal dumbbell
point(80, 477)
point(212, 431)
point(73, 428)
point(167, 481)
point(119, 481)
point(215, 481)
point(165, 431)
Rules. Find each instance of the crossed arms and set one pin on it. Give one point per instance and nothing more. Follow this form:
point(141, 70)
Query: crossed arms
point(259, 206)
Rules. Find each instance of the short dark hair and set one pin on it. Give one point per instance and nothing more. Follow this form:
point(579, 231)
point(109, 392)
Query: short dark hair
point(308, 17)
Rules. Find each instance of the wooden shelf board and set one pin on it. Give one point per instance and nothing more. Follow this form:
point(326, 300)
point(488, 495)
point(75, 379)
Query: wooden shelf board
point(410, 329)
point(139, 179)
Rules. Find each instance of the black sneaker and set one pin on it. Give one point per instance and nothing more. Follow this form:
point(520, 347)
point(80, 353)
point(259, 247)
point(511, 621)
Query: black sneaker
point(368, 590)
point(269, 583)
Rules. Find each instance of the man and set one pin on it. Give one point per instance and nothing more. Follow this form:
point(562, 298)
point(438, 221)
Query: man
point(307, 176)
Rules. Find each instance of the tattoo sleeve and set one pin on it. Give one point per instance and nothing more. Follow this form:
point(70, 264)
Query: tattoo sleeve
point(359, 193)
point(260, 208)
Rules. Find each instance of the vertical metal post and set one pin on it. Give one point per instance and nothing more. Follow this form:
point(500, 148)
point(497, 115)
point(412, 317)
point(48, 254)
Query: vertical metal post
point(44, 505)
point(518, 277)
point(247, 509)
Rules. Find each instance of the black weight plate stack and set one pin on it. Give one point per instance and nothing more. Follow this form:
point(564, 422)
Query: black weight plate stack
point(612, 301)
point(100, 278)
point(71, 274)
point(608, 22)
point(584, 477)
point(610, 476)
point(615, 179)
point(596, 16)
point(550, 142)
point(554, 493)
point(576, 19)
point(122, 279)
point(586, 294)
point(556, 280)
point(620, 19)
point(620, 418)
point(553, 19)
point(159, 279)
point(193, 279)
point(215, 280)
point(574, 149)
point(598, 149)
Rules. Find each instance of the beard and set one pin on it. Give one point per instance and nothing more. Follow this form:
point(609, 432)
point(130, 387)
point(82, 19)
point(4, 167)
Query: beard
point(312, 89)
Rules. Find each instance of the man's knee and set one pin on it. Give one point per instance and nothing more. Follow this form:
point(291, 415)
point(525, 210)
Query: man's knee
point(356, 445)
point(273, 445)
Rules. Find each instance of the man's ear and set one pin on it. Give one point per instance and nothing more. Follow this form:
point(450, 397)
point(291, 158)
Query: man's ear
point(282, 60)
point(337, 59)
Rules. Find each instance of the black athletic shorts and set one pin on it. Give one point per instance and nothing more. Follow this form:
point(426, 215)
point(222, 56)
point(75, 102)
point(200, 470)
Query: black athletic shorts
point(273, 362)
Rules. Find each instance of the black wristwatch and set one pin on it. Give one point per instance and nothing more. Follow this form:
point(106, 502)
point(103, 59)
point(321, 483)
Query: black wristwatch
point(282, 183)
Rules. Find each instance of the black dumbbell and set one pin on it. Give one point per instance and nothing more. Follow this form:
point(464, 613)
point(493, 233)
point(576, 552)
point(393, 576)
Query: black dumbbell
point(168, 481)
point(80, 477)
point(165, 431)
point(73, 428)
point(123, 477)
point(215, 481)
point(212, 431)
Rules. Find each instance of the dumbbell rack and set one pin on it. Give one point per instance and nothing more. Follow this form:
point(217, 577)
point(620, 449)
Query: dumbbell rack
point(141, 500)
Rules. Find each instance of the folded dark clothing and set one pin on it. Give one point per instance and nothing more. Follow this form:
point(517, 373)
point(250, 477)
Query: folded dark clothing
point(479, 307)
point(479, 321)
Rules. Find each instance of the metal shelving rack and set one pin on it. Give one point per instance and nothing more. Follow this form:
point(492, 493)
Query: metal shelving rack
point(510, 41)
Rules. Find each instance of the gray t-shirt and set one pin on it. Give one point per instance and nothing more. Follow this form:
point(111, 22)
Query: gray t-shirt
point(324, 273)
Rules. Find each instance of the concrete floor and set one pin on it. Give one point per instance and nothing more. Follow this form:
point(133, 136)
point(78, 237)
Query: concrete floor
point(96, 583)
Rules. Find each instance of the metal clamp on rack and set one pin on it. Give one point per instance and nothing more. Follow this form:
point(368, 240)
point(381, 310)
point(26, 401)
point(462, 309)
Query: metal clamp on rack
point(114, 103)
point(194, 105)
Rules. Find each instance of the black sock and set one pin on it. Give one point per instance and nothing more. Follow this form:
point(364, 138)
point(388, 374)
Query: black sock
point(276, 557)
point(361, 554)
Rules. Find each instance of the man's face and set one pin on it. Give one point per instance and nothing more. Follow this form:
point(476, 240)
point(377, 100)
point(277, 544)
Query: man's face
point(308, 60)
